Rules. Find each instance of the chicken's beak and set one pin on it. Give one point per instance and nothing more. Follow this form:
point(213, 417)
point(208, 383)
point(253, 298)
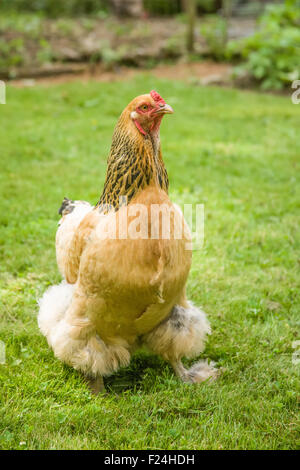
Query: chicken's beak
point(167, 109)
point(164, 109)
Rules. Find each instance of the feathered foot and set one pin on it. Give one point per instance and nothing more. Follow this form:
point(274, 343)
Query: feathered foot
point(199, 372)
point(183, 333)
point(70, 333)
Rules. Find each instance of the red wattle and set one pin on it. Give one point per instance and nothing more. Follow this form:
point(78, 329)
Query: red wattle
point(139, 127)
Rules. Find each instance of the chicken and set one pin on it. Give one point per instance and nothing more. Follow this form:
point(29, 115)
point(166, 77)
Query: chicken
point(124, 280)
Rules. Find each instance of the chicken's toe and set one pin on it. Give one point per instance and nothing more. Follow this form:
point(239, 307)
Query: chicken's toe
point(199, 372)
point(202, 371)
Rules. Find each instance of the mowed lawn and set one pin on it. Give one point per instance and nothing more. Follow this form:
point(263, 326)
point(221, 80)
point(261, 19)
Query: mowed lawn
point(239, 154)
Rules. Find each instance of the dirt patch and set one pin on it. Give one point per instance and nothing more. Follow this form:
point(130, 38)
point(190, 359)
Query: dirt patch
point(203, 71)
point(206, 72)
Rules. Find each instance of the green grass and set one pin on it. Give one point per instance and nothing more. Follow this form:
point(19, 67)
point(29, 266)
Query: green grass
point(236, 152)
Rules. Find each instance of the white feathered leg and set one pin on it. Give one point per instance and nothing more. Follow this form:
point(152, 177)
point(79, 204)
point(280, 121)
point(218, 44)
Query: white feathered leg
point(53, 306)
point(183, 334)
point(70, 334)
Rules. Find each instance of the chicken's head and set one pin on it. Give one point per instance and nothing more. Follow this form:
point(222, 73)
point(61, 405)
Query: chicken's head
point(147, 111)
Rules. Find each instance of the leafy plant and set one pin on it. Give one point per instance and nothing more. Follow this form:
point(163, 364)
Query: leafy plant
point(207, 6)
point(174, 46)
point(11, 53)
point(162, 7)
point(56, 8)
point(272, 55)
point(171, 7)
point(214, 32)
point(44, 54)
point(26, 23)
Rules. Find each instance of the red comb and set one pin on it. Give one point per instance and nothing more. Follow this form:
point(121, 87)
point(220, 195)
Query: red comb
point(156, 96)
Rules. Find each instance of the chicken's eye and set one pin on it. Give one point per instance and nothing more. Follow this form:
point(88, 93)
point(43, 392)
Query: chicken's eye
point(144, 107)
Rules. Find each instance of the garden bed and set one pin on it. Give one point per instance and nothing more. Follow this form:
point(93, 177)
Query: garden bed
point(31, 45)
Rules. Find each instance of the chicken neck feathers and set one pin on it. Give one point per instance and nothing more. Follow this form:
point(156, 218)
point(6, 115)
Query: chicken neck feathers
point(134, 162)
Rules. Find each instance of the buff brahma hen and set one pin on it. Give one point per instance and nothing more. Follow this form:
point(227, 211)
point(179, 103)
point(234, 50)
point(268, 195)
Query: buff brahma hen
point(121, 291)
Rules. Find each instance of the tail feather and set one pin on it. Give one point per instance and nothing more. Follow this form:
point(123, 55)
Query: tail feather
point(72, 213)
point(66, 207)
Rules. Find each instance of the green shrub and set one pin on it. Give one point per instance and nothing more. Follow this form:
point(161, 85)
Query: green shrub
point(272, 55)
point(55, 7)
point(77, 7)
point(171, 7)
point(215, 31)
point(11, 53)
point(162, 7)
point(207, 6)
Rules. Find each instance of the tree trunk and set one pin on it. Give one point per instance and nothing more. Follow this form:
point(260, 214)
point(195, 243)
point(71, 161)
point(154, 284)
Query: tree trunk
point(227, 9)
point(191, 11)
point(227, 6)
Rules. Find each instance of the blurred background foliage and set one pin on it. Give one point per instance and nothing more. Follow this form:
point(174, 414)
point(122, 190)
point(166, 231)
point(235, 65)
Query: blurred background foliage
point(272, 55)
point(163, 7)
point(55, 8)
point(155, 7)
point(268, 56)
